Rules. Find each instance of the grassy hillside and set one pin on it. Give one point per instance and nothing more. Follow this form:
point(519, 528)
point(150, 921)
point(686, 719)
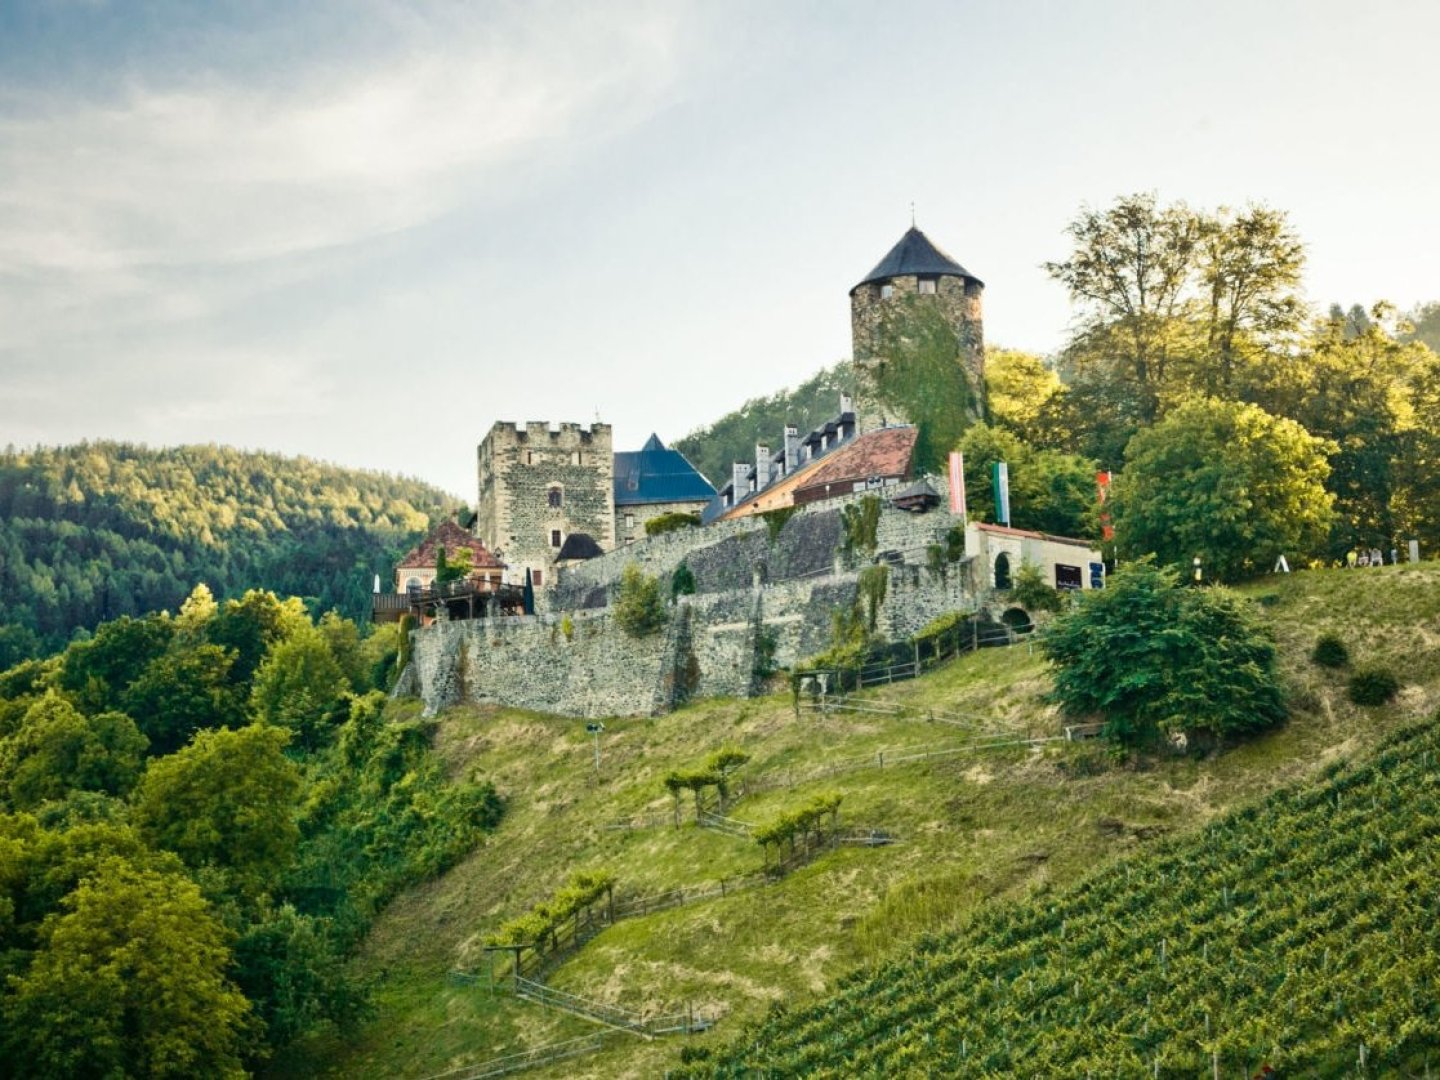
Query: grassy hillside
point(981, 832)
point(99, 530)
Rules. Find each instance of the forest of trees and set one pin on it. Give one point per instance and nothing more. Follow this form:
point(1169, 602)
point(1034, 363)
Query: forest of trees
point(100, 530)
point(1240, 424)
point(200, 814)
point(732, 438)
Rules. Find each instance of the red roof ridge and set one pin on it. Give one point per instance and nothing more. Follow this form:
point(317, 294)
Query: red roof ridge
point(451, 536)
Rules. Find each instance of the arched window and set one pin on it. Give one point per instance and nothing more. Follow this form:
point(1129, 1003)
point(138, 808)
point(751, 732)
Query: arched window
point(555, 498)
point(1002, 571)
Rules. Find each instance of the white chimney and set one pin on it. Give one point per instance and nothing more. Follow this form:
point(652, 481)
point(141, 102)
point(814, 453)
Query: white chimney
point(792, 448)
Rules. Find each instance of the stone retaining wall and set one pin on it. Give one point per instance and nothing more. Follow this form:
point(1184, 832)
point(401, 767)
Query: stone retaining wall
point(754, 596)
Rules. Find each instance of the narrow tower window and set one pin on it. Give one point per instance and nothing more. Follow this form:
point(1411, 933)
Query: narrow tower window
point(554, 498)
point(887, 291)
point(927, 286)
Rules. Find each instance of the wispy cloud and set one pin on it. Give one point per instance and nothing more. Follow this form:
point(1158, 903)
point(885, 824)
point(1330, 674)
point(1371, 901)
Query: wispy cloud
point(102, 202)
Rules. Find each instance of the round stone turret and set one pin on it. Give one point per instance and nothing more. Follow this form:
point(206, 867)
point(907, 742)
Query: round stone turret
point(914, 267)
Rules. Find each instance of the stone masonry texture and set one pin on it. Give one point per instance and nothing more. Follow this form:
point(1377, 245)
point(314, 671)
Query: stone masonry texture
point(747, 586)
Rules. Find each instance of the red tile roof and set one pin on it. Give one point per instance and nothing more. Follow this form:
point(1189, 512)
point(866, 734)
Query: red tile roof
point(453, 538)
point(875, 453)
point(885, 452)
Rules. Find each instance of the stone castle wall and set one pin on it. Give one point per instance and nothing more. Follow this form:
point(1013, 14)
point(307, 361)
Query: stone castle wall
point(728, 554)
point(709, 648)
point(754, 597)
point(518, 469)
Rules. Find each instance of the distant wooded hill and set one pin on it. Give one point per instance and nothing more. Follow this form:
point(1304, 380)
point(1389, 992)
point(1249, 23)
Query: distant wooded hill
point(733, 437)
point(104, 529)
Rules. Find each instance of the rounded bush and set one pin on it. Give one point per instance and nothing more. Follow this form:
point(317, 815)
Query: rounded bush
point(1330, 652)
point(1373, 686)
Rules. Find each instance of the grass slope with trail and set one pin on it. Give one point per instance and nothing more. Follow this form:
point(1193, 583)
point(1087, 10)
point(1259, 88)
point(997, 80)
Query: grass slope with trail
point(983, 835)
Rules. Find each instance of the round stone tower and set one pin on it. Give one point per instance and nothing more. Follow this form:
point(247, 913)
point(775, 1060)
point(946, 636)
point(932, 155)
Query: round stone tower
point(914, 268)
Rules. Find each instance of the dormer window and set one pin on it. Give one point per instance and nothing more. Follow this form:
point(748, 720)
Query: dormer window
point(927, 286)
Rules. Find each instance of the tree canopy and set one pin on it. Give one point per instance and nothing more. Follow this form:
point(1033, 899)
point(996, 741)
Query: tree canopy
point(1050, 491)
point(1148, 655)
point(1226, 482)
point(130, 981)
point(294, 843)
point(731, 438)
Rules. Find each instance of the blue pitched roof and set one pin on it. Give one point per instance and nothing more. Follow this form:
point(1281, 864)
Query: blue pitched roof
point(656, 474)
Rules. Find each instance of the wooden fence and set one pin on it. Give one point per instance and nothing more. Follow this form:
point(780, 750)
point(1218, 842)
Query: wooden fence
point(527, 1059)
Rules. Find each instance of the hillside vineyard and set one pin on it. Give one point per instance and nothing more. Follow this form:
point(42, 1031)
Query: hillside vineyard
point(1300, 934)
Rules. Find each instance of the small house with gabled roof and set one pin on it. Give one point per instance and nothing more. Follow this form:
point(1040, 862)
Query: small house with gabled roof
point(417, 569)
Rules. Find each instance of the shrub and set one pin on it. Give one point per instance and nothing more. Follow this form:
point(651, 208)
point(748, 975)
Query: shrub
point(1032, 592)
point(665, 523)
point(1151, 656)
point(1330, 652)
point(682, 582)
point(1373, 686)
point(639, 610)
point(941, 625)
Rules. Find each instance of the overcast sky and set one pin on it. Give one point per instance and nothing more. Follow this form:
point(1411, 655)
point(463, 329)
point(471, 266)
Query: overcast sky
point(366, 231)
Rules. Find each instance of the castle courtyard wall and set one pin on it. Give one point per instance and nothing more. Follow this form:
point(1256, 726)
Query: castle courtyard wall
point(760, 601)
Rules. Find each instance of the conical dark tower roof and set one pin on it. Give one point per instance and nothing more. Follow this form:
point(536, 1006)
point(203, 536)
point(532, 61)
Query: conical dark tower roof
point(915, 254)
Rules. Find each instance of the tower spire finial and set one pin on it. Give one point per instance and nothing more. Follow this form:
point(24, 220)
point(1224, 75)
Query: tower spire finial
point(912, 213)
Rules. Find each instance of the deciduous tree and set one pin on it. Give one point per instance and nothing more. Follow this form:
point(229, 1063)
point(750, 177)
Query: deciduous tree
point(300, 686)
point(1226, 482)
point(57, 750)
point(186, 690)
point(130, 980)
point(1050, 491)
point(226, 802)
point(1148, 655)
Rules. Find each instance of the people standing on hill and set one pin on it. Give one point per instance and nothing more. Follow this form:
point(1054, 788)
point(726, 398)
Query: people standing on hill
point(1394, 557)
point(1363, 559)
point(1351, 558)
point(1377, 557)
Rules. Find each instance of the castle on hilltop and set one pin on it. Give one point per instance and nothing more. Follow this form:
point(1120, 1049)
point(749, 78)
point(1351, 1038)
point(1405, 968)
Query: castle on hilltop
point(845, 518)
point(550, 496)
